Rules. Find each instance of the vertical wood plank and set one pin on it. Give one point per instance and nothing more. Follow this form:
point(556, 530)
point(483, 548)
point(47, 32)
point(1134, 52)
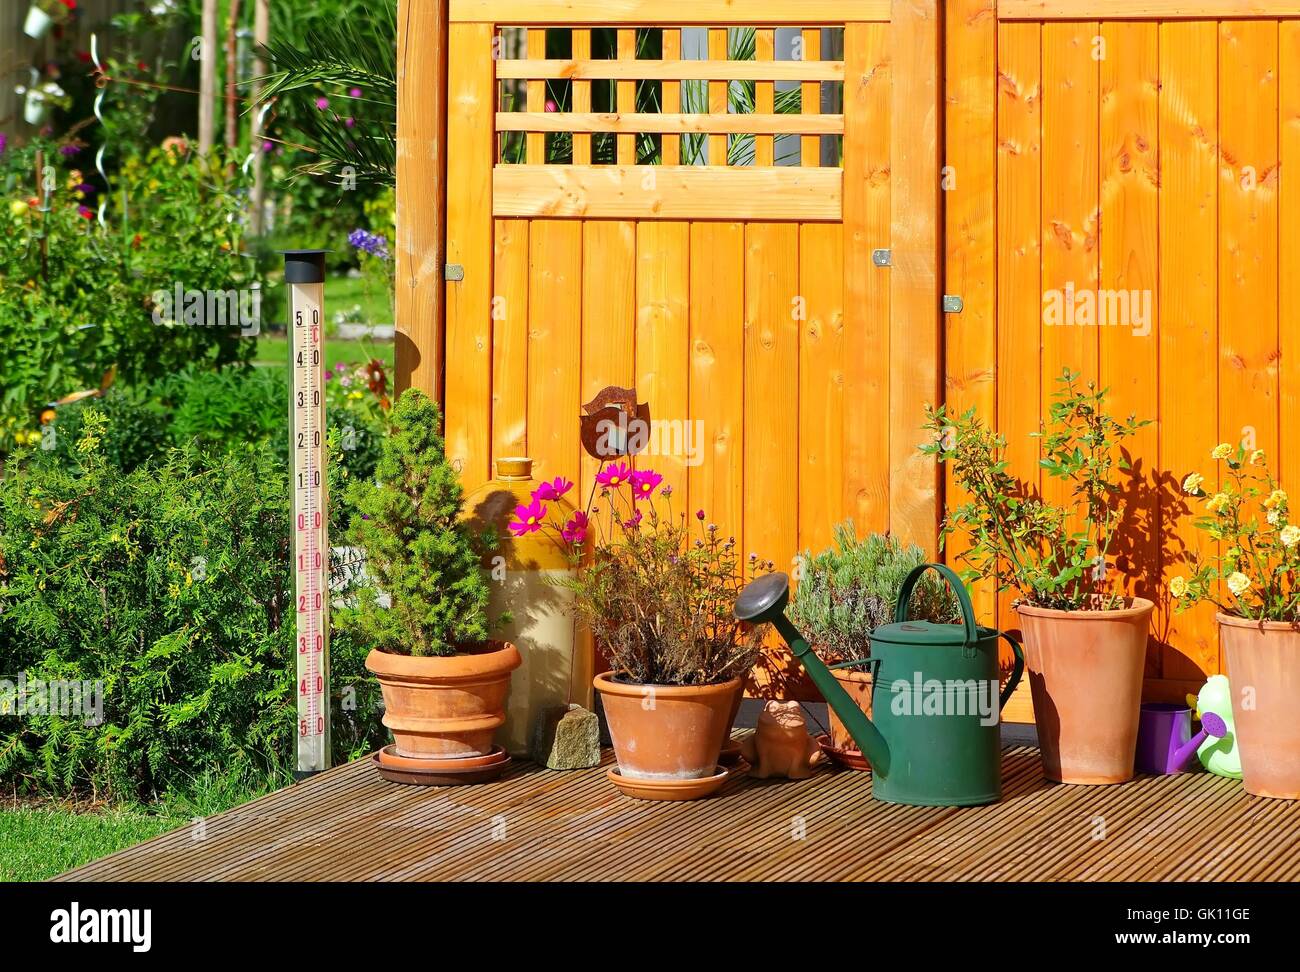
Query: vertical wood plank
point(810, 99)
point(764, 96)
point(625, 95)
point(470, 129)
point(421, 197)
point(718, 95)
point(821, 383)
point(717, 313)
point(608, 316)
point(582, 96)
point(663, 350)
point(914, 297)
point(1019, 289)
point(671, 97)
point(1189, 338)
point(510, 339)
point(554, 347)
point(866, 287)
point(1128, 340)
point(1070, 206)
point(970, 339)
point(1248, 234)
point(535, 142)
point(1289, 252)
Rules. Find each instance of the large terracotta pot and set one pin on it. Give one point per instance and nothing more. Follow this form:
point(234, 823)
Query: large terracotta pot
point(858, 686)
point(1264, 670)
point(1085, 674)
point(666, 732)
point(445, 707)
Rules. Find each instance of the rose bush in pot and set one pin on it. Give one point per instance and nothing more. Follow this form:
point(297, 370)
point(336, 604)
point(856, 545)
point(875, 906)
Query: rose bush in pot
point(444, 683)
point(1250, 574)
point(844, 592)
point(1085, 642)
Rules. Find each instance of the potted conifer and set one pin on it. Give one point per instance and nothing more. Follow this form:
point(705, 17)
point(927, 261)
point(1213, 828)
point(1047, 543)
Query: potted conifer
point(1250, 574)
point(444, 683)
point(1085, 641)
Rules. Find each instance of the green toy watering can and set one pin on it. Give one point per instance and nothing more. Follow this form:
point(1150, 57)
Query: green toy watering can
point(935, 741)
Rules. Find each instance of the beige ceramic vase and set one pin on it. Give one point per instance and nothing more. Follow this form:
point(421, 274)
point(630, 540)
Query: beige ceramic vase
point(1263, 661)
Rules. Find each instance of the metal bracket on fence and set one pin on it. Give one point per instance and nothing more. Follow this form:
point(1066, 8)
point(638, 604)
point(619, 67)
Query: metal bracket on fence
point(453, 271)
point(952, 304)
point(882, 258)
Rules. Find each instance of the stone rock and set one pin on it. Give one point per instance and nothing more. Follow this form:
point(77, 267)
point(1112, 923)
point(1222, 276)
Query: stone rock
point(566, 737)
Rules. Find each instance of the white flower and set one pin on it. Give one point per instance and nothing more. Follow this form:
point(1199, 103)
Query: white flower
point(1290, 536)
point(1221, 451)
point(1178, 586)
point(1192, 484)
point(1238, 583)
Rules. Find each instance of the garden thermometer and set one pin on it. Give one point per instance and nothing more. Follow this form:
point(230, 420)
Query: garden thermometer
point(304, 274)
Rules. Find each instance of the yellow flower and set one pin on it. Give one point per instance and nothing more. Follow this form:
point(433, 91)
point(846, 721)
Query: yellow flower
point(1275, 499)
point(1290, 536)
point(1217, 503)
point(1221, 451)
point(1178, 586)
point(1257, 457)
point(1238, 583)
point(18, 207)
point(1192, 484)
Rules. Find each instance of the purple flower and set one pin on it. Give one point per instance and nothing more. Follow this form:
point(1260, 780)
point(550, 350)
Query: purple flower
point(644, 483)
point(354, 93)
point(367, 242)
point(85, 187)
point(612, 477)
point(4, 142)
point(575, 531)
point(268, 146)
point(528, 519)
point(349, 122)
point(699, 515)
point(322, 103)
point(67, 151)
point(553, 490)
point(633, 523)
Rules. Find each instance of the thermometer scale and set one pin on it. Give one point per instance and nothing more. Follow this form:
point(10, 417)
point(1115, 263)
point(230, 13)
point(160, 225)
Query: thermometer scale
point(304, 274)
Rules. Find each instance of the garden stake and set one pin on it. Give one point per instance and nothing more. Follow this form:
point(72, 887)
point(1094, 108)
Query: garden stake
point(304, 273)
point(937, 742)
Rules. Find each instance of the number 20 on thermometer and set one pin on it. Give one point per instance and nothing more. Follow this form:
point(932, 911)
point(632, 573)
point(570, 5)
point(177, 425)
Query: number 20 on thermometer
point(304, 274)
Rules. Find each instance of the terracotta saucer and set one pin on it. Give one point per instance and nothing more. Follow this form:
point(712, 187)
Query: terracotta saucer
point(440, 772)
point(668, 789)
point(850, 759)
point(730, 754)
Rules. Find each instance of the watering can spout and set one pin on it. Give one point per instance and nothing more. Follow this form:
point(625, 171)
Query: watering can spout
point(1211, 725)
point(763, 601)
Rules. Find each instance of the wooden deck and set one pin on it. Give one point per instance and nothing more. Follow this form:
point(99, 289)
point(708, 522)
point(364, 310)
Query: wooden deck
point(533, 825)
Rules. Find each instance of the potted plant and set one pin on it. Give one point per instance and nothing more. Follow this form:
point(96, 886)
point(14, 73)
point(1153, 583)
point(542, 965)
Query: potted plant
point(444, 683)
point(844, 593)
point(1085, 642)
point(38, 99)
point(1250, 574)
point(657, 591)
point(44, 14)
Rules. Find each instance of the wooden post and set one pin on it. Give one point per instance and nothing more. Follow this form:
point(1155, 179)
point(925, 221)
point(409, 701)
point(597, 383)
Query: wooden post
point(421, 193)
point(208, 77)
point(915, 345)
point(232, 75)
point(261, 34)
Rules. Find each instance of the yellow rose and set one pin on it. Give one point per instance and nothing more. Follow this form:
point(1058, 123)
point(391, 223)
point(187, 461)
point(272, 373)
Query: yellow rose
point(1178, 586)
point(1257, 457)
point(1290, 536)
point(1217, 503)
point(1192, 484)
point(1238, 583)
point(1221, 451)
point(1275, 499)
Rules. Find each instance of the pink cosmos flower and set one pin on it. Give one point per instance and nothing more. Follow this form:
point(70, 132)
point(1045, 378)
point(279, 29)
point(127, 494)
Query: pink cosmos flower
point(575, 531)
point(612, 477)
point(529, 519)
point(644, 483)
point(553, 490)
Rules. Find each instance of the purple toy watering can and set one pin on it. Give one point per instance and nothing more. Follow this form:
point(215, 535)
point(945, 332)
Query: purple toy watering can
point(1165, 741)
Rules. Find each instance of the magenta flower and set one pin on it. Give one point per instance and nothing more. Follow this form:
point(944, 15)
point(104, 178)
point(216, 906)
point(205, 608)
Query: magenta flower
point(699, 515)
point(553, 490)
point(612, 477)
point(634, 522)
point(551, 105)
point(575, 531)
point(529, 519)
point(322, 103)
point(354, 93)
point(644, 483)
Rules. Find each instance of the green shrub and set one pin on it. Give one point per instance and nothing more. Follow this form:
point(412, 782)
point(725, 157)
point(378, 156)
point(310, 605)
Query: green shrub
point(171, 584)
point(417, 548)
point(846, 591)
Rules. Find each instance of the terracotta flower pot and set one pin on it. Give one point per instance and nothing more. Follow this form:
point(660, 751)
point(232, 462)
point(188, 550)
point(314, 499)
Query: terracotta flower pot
point(445, 707)
point(666, 732)
point(731, 754)
point(1265, 659)
point(858, 685)
point(1085, 673)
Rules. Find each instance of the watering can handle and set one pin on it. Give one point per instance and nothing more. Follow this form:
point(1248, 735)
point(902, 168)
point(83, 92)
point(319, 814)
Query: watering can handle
point(967, 610)
point(1016, 672)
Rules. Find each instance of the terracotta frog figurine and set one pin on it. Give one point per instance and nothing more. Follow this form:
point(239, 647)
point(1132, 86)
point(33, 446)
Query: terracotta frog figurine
point(781, 746)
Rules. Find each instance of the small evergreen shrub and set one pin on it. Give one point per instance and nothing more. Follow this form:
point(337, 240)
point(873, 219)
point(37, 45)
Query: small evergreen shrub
point(418, 551)
point(846, 591)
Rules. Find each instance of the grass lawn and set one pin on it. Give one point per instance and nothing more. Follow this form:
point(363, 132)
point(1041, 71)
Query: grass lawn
point(273, 352)
point(39, 842)
point(342, 293)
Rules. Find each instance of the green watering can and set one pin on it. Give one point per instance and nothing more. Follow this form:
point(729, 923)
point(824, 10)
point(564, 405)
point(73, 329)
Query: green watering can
point(934, 696)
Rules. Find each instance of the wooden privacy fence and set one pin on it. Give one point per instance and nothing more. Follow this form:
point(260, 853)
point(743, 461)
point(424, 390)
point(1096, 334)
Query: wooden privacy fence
point(697, 198)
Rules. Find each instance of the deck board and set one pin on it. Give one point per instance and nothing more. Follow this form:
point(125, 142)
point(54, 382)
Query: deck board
point(350, 825)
